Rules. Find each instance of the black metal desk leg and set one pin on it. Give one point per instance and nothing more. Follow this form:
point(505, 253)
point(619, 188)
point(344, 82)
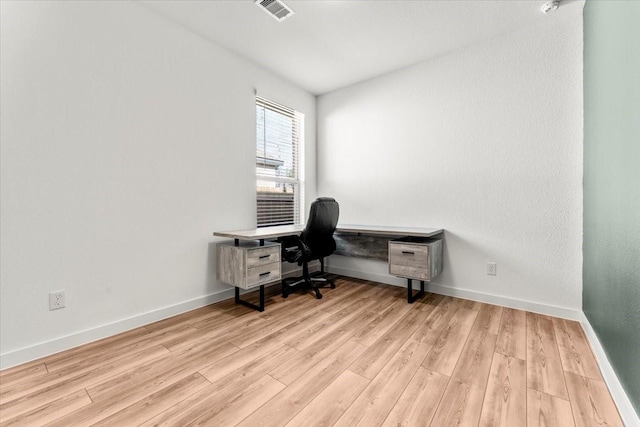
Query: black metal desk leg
point(248, 304)
point(410, 296)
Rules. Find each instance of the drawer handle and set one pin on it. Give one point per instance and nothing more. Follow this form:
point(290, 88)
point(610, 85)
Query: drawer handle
point(265, 256)
point(265, 274)
point(408, 253)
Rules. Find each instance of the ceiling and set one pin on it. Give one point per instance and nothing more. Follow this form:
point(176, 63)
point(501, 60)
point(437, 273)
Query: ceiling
point(329, 44)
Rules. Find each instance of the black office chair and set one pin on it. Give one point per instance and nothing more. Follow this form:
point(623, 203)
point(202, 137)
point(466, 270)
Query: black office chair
point(315, 242)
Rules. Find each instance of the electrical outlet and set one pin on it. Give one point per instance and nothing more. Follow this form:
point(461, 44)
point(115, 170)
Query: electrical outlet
point(491, 268)
point(56, 300)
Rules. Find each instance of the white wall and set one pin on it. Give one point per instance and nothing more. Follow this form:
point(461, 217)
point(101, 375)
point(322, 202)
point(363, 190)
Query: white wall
point(485, 142)
point(126, 141)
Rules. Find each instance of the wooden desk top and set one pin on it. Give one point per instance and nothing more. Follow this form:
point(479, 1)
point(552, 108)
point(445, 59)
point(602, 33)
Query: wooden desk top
point(291, 230)
point(388, 230)
point(262, 233)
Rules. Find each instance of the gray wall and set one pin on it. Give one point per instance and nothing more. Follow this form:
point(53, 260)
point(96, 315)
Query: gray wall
point(611, 292)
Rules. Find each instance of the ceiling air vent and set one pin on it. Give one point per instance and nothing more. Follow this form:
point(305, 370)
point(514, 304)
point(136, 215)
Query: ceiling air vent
point(275, 8)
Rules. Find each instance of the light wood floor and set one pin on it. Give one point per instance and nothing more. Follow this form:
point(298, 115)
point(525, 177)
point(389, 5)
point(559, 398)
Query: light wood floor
point(360, 356)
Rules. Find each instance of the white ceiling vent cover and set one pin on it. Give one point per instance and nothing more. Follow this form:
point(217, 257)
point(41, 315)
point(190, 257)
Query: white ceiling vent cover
point(275, 8)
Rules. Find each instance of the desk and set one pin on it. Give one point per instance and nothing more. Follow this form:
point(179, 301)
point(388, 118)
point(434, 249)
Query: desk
point(266, 233)
point(412, 253)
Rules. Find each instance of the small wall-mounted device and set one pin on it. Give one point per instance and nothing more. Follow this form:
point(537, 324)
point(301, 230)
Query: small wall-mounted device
point(56, 300)
point(492, 268)
point(550, 6)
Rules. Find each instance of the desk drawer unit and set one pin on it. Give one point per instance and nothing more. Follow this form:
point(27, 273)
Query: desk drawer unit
point(415, 258)
point(248, 265)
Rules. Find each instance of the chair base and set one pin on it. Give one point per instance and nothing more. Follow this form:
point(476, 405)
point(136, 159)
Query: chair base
point(309, 282)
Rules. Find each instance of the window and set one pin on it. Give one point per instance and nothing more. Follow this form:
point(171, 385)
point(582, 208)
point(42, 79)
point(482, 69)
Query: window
point(279, 164)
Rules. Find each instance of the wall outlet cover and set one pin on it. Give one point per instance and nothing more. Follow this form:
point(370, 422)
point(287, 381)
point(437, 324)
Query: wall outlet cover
point(56, 300)
point(491, 268)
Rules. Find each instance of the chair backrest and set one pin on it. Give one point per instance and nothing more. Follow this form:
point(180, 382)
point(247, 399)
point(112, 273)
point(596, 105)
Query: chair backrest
point(322, 222)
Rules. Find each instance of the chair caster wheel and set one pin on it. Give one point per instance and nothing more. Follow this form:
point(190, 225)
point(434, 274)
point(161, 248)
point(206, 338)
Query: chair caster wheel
point(319, 296)
point(285, 295)
point(333, 286)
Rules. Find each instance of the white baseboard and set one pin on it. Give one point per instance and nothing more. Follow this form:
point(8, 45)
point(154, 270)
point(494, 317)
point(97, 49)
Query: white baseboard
point(550, 310)
point(625, 408)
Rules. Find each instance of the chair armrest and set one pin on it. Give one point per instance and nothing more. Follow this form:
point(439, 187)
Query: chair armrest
point(294, 249)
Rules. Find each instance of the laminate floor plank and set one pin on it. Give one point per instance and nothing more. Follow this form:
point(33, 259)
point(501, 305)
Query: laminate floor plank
point(505, 401)
point(329, 325)
point(445, 353)
point(392, 296)
point(106, 355)
point(433, 299)
point(488, 318)
point(250, 371)
point(436, 321)
point(190, 337)
point(320, 351)
point(256, 334)
point(544, 368)
point(236, 362)
point(219, 406)
point(384, 321)
point(171, 368)
point(38, 395)
point(156, 403)
point(419, 401)
point(424, 303)
point(379, 397)
point(575, 351)
point(22, 374)
point(113, 343)
point(227, 397)
point(285, 405)
point(512, 335)
point(591, 402)
point(193, 316)
point(224, 328)
point(282, 335)
point(364, 291)
point(461, 403)
point(470, 304)
point(360, 355)
point(255, 321)
point(379, 353)
point(234, 409)
point(220, 317)
point(448, 302)
point(126, 390)
point(332, 402)
point(546, 410)
point(51, 411)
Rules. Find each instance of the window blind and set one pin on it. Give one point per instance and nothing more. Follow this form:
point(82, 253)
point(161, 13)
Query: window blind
point(279, 167)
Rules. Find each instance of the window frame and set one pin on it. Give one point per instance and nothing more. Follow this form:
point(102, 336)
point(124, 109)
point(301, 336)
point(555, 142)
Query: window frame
point(295, 182)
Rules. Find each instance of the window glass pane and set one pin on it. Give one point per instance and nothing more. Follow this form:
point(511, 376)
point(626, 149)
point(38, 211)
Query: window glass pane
point(275, 150)
point(278, 147)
